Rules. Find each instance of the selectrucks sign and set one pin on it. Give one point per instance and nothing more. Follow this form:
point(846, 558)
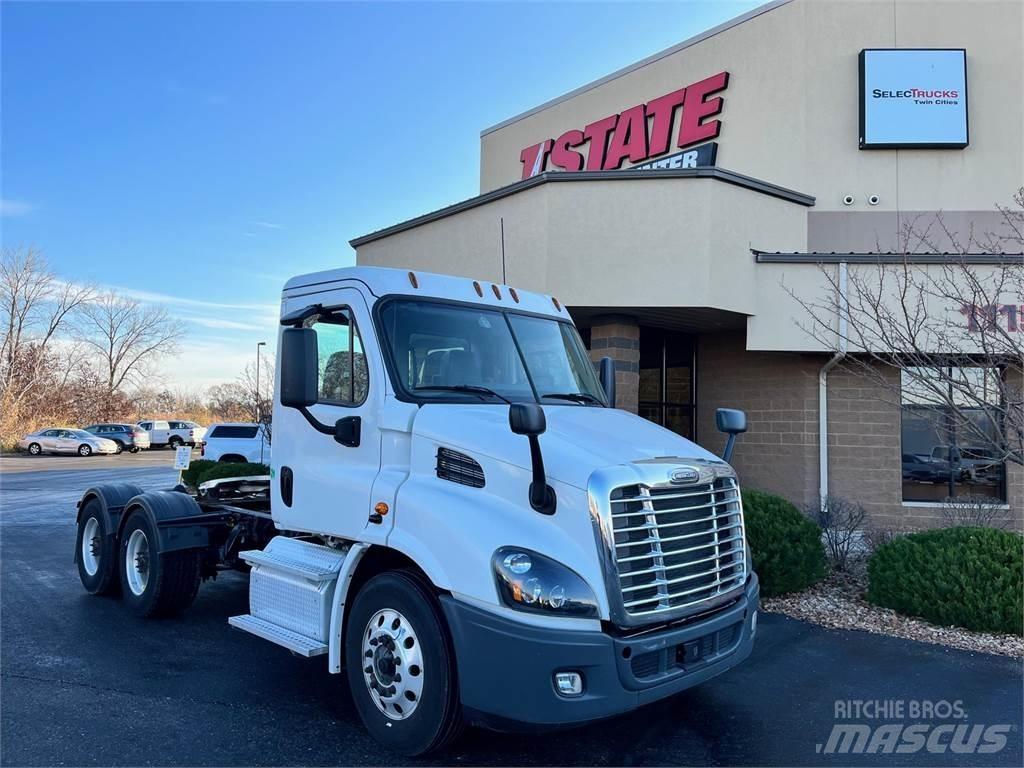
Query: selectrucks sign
point(914, 98)
point(640, 133)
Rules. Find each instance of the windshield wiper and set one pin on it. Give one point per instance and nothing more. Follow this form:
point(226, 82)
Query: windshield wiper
point(472, 389)
point(576, 397)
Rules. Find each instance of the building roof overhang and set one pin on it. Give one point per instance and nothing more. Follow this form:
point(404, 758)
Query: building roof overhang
point(889, 257)
point(553, 177)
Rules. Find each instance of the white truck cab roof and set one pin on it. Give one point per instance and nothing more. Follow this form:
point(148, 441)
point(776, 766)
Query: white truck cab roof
point(384, 281)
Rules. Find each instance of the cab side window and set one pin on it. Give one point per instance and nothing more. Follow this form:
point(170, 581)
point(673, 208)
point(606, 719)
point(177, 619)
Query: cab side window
point(343, 376)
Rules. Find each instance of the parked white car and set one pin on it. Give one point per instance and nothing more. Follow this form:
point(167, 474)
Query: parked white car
point(60, 440)
point(173, 433)
point(240, 441)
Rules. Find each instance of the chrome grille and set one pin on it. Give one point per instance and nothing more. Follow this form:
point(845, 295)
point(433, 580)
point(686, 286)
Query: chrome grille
point(676, 547)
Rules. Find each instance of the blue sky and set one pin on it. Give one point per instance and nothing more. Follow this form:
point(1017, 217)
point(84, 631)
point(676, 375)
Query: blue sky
point(198, 154)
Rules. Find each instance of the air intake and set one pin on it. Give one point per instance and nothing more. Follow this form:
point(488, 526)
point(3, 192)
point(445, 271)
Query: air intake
point(459, 468)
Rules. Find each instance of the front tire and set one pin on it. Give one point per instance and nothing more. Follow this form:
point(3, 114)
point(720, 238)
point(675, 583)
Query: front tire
point(84, 450)
point(96, 552)
point(175, 443)
point(401, 668)
point(155, 584)
point(35, 449)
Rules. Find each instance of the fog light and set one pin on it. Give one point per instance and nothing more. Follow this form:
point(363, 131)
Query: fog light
point(753, 624)
point(569, 683)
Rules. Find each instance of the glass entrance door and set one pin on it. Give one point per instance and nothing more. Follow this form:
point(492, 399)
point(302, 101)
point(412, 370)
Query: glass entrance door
point(667, 379)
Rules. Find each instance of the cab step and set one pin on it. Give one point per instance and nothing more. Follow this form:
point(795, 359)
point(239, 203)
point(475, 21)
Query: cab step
point(293, 641)
point(291, 593)
point(299, 564)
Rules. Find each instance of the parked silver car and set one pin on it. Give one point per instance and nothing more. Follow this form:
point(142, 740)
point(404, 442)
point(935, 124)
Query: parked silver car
point(61, 440)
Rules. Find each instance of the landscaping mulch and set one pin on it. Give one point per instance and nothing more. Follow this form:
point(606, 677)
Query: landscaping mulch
point(838, 602)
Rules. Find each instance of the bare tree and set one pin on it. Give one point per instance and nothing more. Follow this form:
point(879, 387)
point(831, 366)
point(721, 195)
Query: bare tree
point(258, 397)
point(127, 337)
point(34, 305)
point(952, 326)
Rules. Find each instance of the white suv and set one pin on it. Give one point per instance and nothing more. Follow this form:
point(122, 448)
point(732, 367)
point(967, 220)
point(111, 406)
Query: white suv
point(241, 442)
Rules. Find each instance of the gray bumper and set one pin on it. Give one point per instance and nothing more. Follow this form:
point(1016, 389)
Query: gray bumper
point(506, 667)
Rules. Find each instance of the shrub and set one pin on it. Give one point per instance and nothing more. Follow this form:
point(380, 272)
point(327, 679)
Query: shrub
point(191, 475)
point(975, 511)
point(968, 577)
point(842, 523)
point(220, 470)
point(786, 546)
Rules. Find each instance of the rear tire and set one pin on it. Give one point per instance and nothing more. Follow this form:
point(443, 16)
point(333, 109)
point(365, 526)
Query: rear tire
point(34, 449)
point(120, 448)
point(396, 617)
point(96, 551)
point(84, 450)
point(155, 584)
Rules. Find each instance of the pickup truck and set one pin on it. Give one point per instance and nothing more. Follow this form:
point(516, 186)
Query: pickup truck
point(456, 516)
point(173, 433)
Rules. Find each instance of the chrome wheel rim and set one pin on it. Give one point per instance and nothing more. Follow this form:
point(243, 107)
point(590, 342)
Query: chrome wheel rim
point(90, 553)
point(136, 562)
point(34, 449)
point(392, 664)
point(85, 450)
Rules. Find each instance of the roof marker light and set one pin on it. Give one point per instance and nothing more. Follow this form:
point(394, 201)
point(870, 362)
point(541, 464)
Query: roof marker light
point(497, 293)
point(555, 302)
point(478, 289)
point(515, 296)
point(412, 279)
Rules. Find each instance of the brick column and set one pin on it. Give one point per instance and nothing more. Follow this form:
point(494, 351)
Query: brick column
point(618, 337)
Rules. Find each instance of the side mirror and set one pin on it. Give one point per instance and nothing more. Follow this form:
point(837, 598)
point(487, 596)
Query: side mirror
point(527, 419)
point(607, 375)
point(732, 422)
point(298, 367)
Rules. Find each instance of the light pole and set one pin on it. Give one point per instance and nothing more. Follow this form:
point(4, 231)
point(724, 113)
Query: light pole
point(258, 345)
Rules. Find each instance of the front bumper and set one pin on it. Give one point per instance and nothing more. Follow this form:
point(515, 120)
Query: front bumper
point(506, 668)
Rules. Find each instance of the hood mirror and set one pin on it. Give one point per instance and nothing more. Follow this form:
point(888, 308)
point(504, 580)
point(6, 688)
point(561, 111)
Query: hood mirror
point(732, 422)
point(607, 376)
point(528, 419)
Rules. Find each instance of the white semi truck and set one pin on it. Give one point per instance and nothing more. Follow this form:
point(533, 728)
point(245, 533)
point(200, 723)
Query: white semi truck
point(456, 515)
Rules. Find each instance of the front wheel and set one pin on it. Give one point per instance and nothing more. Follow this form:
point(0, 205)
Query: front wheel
point(401, 669)
point(155, 584)
point(175, 443)
point(84, 450)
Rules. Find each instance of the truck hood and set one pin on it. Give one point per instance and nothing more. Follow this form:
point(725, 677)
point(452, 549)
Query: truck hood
point(578, 439)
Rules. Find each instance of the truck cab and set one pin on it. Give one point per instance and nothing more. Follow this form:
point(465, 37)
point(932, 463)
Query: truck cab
point(465, 524)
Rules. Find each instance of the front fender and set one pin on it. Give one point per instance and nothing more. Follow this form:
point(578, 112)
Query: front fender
point(452, 531)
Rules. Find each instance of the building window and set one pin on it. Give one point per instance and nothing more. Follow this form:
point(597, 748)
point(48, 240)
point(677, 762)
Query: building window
point(667, 380)
point(343, 378)
point(949, 435)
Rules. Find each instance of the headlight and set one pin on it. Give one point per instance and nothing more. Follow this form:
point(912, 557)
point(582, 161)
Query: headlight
point(531, 582)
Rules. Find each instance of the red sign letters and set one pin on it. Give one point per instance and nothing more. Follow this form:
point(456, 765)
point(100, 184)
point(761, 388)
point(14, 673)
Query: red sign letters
point(635, 134)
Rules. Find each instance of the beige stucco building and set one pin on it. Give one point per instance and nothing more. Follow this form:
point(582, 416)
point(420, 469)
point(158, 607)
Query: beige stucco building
point(797, 142)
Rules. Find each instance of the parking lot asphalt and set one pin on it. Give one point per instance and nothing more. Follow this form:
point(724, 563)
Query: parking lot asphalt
point(84, 683)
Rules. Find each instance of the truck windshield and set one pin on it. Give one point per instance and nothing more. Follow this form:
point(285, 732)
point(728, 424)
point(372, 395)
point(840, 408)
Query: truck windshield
point(449, 351)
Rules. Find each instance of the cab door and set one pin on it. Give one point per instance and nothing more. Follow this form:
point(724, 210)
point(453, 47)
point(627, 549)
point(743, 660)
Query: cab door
point(329, 484)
